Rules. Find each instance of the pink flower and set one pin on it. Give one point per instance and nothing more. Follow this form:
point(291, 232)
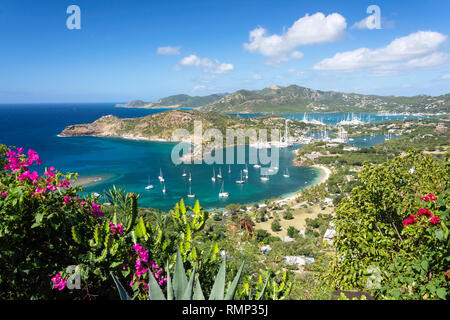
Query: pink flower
point(426, 199)
point(96, 210)
point(4, 193)
point(407, 222)
point(51, 187)
point(59, 282)
point(38, 192)
point(427, 213)
point(67, 199)
point(64, 184)
point(432, 197)
point(435, 220)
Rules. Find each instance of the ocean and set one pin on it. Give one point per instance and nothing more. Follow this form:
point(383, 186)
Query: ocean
point(130, 164)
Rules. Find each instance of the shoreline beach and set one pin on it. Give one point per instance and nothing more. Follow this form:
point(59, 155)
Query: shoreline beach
point(87, 181)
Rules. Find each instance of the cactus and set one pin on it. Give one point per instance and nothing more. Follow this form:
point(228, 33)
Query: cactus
point(181, 288)
point(187, 226)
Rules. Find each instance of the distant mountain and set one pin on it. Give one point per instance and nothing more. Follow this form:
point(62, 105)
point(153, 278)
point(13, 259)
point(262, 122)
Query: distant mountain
point(176, 101)
point(296, 99)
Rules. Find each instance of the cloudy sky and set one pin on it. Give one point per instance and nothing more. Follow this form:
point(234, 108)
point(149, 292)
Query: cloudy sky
point(150, 49)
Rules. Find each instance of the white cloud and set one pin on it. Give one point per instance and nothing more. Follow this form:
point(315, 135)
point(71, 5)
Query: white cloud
point(168, 50)
point(308, 30)
point(364, 23)
point(446, 76)
point(206, 64)
point(417, 50)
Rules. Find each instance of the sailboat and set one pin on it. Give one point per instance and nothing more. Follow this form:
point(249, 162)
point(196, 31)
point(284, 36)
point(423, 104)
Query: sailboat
point(219, 175)
point(184, 173)
point(164, 188)
point(286, 173)
point(149, 186)
point(161, 179)
point(213, 178)
point(242, 181)
point(229, 169)
point(246, 168)
point(190, 195)
point(257, 166)
point(222, 193)
point(264, 178)
point(190, 177)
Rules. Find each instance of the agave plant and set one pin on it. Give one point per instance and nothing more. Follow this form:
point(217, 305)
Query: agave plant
point(180, 288)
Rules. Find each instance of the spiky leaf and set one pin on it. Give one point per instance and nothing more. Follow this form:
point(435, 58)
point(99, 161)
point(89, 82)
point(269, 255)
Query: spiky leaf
point(122, 292)
point(218, 289)
point(154, 289)
point(232, 288)
point(179, 277)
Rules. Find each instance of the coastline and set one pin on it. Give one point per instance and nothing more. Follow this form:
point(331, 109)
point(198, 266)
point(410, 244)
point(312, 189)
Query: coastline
point(324, 175)
point(87, 181)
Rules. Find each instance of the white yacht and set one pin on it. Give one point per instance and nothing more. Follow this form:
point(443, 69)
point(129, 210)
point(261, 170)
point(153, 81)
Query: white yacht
point(242, 181)
point(184, 173)
point(190, 195)
point(149, 186)
point(219, 175)
point(164, 188)
point(213, 178)
point(264, 178)
point(246, 168)
point(161, 178)
point(222, 193)
point(286, 173)
point(257, 166)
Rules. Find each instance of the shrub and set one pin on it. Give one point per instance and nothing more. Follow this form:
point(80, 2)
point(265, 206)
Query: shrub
point(384, 224)
point(288, 215)
point(292, 232)
point(275, 226)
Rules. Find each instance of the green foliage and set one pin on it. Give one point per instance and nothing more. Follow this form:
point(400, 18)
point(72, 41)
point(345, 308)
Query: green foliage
point(270, 285)
point(288, 215)
point(370, 231)
point(275, 226)
point(292, 232)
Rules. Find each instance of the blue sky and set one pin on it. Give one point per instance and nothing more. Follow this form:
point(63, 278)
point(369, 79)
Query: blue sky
point(206, 47)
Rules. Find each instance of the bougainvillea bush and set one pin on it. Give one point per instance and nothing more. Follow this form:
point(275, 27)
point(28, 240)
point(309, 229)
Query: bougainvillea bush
point(392, 232)
point(46, 227)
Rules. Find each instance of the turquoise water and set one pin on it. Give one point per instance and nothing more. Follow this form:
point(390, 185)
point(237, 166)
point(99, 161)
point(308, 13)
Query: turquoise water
point(129, 163)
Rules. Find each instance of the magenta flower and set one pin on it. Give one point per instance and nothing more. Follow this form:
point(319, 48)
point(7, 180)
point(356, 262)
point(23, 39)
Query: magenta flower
point(435, 220)
point(4, 193)
point(67, 199)
point(51, 187)
point(59, 282)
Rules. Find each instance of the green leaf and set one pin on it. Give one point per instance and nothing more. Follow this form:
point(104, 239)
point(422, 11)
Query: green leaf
point(261, 294)
point(122, 292)
point(179, 277)
point(439, 234)
point(140, 229)
point(154, 289)
point(442, 293)
point(232, 289)
point(169, 283)
point(187, 295)
point(396, 293)
point(424, 265)
point(218, 289)
point(198, 293)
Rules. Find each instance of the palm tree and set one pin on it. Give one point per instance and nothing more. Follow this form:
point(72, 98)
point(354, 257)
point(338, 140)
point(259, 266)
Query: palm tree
point(243, 223)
